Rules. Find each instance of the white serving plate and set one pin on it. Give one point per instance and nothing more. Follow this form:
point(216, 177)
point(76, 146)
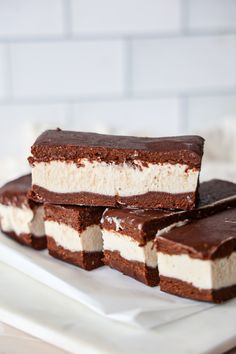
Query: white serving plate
point(46, 314)
point(106, 291)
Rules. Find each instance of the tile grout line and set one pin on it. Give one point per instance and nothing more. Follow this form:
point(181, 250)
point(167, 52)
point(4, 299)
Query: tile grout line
point(67, 19)
point(142, 96)
point(184, 17)
point(8, 73)
point(110, 37)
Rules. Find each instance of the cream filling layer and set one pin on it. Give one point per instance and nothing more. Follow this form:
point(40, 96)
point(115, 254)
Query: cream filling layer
point(113, 179)
point(22, 220)
point(89, 240)
point(129, 248)
point(203, 274)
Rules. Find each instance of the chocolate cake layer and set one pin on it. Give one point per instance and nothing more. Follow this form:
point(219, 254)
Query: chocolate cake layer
point(136, 270)
point(38, 243)
point(209, 238)
point(15, 192)
point(68, 145)
point(104, 170)
point(79, 218)
point(183, 289)
point(149, 200)
point(85, 260)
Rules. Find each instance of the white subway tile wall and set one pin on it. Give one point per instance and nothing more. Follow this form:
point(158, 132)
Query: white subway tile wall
point(146, 67)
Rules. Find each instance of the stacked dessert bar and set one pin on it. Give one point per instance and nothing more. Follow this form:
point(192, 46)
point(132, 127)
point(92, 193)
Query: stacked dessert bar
point(135, 204)
point(76, 175)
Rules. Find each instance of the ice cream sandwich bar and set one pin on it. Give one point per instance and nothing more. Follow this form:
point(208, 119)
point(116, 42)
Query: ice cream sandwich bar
point(198, 260)
point(74, 234)
point(80, 168)
point(20, 218)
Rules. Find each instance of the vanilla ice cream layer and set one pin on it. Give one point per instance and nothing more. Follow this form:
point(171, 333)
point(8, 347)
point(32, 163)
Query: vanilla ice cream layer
point(114, 179)
point(22, 220)
point(89, 240)
point(129, 248)
point(203, 274)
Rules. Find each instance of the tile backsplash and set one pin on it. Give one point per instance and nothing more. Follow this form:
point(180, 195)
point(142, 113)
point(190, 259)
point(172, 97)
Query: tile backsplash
point(151, 67)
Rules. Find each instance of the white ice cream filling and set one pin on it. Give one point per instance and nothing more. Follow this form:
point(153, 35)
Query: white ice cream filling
point(114, 179)
point(129, 248)
point(22, 220)
point(203, 274)
point(89, 240)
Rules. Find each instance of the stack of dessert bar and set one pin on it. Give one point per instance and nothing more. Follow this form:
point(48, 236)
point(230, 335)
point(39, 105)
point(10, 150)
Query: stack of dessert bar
point(134, 204)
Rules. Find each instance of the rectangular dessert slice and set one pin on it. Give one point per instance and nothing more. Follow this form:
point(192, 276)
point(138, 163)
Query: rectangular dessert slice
point(129, 235)
point(20, 218)
point(93, 169)
point(74, 234)
point(198, 260)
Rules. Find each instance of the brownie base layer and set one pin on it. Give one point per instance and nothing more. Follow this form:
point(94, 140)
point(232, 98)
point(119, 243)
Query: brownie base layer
point(38, 243)
point(136, 270)
point(150, 200)
point(85, 260)
point(184, 289)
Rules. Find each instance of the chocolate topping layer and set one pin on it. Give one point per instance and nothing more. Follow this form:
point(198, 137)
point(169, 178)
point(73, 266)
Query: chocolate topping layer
point(209, 238)
point(142, 224)
point(78, 217)
point(72, 146)
point(214, 191)
point(15, 192)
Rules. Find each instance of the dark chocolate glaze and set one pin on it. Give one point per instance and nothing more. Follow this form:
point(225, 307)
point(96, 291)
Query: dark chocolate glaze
point(142, 225)
point(214, 196)
point(216, 190)
point(15, 192)
point(72, 146)
point(208, 238)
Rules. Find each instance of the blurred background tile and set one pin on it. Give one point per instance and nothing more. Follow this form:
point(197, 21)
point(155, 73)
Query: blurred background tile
point(182, 64)
point(67, 69)
point(31, 18)
point(125, 16)
point(154, 117)
point(213, 15)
